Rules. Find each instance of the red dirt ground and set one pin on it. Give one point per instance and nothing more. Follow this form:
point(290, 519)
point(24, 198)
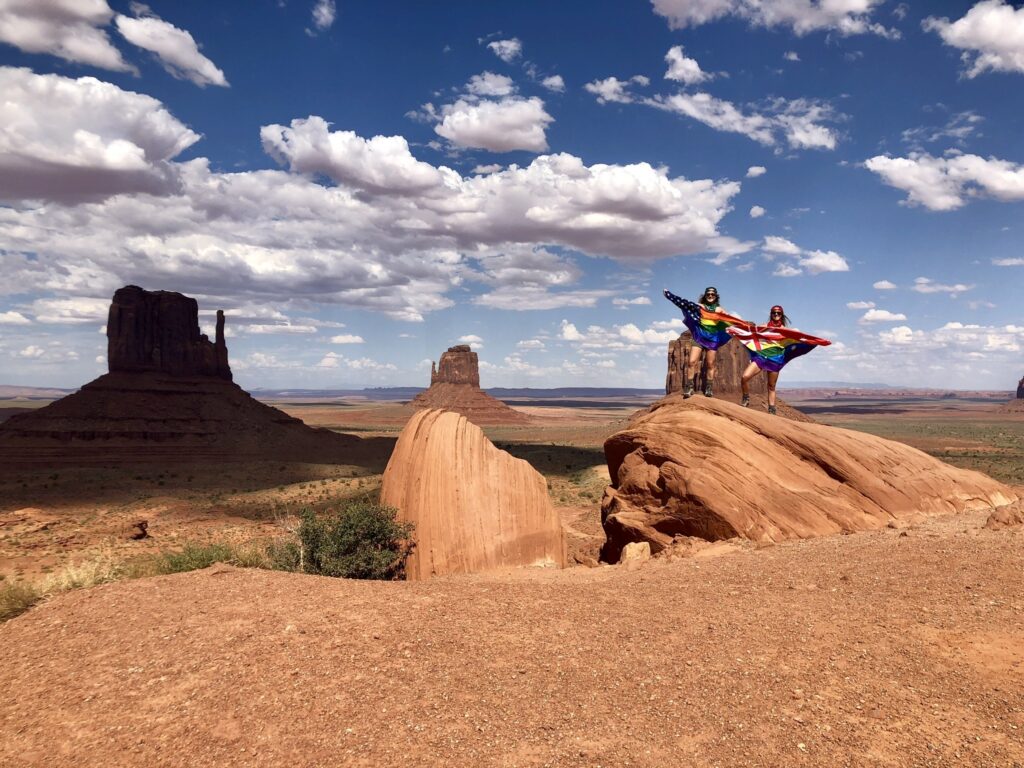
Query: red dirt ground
point(890, 648)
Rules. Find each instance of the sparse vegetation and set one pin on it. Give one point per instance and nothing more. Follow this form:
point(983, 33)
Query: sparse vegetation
point(16, 598)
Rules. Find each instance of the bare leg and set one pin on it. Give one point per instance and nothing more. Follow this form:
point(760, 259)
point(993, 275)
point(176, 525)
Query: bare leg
point(710, 358)
point(693, 369)
point(749, 373)
point(773, 377)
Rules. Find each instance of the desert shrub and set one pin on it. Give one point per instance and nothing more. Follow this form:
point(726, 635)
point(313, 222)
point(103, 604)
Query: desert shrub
point(99, 568)
point(194, 557)
point(362, 540)
point(16, 598)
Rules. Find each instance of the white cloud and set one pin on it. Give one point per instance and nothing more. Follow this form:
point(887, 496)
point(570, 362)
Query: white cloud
point(990, 34)
point(491, 168)
point(683, 69)
point(507, 50)
point(775, 244)
point(70, 30)
point(332, 360)
point(471, 338)
point(817, 262)
point(881, 316)
point(846, 17)
point(1013, 262)
point(490, 84)
point(70, 311)
point(532, 297)
point(860, 305)
point(798, 121)
point(927, 285)
point(176, 49)
point(72, 140)
point(347, 338)
point(613, 90)
point(530, 344)
point(946, 183)
point(791, 56)
point(786, 270)
point(382, 164)
point(499, 126)
point(958, 128)
point(756, 170)
point(569, 332)
point(631, 333)
point(324, 14)
point(13, 318)
point(272, 328)
point(32, 352)
point(883, 285)
point(638, 301)
point(555, 83)
point(756, 212)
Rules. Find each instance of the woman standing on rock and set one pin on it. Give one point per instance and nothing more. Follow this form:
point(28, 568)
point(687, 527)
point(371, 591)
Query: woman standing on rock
point(771, 346)
point(707, 323)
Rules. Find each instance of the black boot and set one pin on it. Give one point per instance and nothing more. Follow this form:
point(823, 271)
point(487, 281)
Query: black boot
point(688, 389)
point(745, 402)
point(707, 390)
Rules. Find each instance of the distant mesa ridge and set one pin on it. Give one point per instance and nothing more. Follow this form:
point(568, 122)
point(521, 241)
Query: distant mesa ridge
point(455, 386)
point(169, 395)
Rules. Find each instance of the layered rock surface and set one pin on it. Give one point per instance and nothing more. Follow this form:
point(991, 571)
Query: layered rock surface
point(731, 361)
point(1020, 389)
point(475, 507)
point(455, 386)
point(707, 468)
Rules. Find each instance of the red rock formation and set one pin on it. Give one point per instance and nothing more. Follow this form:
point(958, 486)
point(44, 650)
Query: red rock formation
point(159, 331)
point(475, 507)
point(1020, 389)
point(730, 363)
point(708, 468)
point(169, 396)
point(455, 386)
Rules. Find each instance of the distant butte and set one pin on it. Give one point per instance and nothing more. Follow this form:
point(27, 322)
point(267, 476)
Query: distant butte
point(168, 396)
point(455, 386)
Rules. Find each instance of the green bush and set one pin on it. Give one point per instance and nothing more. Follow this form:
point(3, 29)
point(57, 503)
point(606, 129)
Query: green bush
point(194, 557)
point(363, 540)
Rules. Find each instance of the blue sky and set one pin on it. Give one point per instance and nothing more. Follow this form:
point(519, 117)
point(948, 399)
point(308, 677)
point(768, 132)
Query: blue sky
point(361, 188)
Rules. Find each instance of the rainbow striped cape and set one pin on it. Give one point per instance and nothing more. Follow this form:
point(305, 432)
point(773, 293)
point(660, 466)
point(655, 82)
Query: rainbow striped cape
point(771, 348)
point(709, 329)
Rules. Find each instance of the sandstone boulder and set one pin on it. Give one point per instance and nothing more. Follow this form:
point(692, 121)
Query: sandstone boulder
point(475, 507)
point(708, 468)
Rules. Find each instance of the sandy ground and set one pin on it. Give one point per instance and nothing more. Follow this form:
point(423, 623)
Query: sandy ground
point(891, 648)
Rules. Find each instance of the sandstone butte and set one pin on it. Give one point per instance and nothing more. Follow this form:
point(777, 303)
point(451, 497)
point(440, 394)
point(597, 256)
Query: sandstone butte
point(168, 395)
point(711, 469)
point(455, 386)
point(475, 507)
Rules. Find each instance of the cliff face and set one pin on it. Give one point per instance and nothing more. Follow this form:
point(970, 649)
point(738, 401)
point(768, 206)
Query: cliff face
point(1020, 390)
point(711, 469)
point(158, 331)
point(475, 507)
point(459, 365)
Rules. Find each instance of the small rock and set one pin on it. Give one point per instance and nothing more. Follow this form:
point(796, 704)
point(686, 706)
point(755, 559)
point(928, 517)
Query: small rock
point(635, 554)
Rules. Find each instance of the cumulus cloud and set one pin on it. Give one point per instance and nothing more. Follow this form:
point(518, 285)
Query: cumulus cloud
point(382, 164)
point(791, 56)
point(682, 68)
point(569, 332)
point(175, 48)
point(324, 13)
point(1011, 262)
point(813, 262)
point(489, 168)
point(70, 311)
point(800, 122)
point(490, 84)
point(13, 318)
point(756, 212)
point(946, 183)
point(775, 244)
point(554, 83)
point(32, 351)
point(507, 50)
point(990, 34)
point(530, 344)
point(927, 285)
point(613, 90)
point(637, 301)
point(499, 126)
point(347, 338)
point(535, 297)
point(846, 17)
point(883, 285)
point(860, 305)
point(70, 30)
point(881, 316)
point(817, 262)
point(756, 170)
point(72, 140)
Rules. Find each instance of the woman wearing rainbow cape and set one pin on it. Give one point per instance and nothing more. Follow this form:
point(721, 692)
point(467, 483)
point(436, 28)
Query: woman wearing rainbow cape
point(771, 346)
point(707, 323)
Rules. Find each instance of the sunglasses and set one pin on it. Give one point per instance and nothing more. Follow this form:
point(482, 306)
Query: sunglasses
point(776, 314)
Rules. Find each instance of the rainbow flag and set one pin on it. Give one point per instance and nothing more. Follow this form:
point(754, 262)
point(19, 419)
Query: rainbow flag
point(709, 329)
point(771, 348)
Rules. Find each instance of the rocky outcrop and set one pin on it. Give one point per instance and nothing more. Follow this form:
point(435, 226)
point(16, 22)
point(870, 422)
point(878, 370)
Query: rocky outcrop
point(730, 363)
point(1020, 389)
point(458, 365)
point(455, 386)
point(707, 468)
point(475, 507)
point(159, 331)
point(168, 396)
